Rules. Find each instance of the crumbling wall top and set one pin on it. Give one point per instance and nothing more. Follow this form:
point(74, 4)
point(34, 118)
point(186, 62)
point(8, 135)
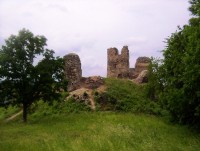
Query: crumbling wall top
point(113, 51)
point(73, 71)
point(142, 63)
point(118, 64)
point(125, 50)
point(143, 60)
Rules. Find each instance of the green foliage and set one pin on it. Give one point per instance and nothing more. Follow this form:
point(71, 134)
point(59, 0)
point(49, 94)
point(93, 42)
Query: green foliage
point(180, 72)
point(195, 7)
point(97, 131)
point(41, 108)
point(8, 111)
point(22, 82)
point(71, 106)
point(155, 80)
point(57, 108)
point(124, 95)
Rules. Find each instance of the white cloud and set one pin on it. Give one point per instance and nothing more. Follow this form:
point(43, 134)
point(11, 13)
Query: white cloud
point(89, 27)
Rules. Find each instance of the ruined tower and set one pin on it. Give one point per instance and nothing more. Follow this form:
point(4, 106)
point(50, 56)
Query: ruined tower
point(73, 72)
point(142, 63)
point(118, 64)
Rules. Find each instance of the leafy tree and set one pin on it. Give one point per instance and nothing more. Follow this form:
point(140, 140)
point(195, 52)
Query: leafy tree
point(195, 5)
point(180, 71)
point(155, 80)
point(22, 82)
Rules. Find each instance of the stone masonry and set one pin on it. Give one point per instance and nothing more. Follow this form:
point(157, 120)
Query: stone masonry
point(118, 64)
point(118, 67)
point(141, 64)
point(73, 71)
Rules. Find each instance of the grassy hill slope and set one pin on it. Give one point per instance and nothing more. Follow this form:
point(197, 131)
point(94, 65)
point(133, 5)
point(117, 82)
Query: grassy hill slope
point(124, 121)
point(101, 131)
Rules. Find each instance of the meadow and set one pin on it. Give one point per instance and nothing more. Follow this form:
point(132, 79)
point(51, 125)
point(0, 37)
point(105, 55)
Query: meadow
point(97, 131)
point(124, 120)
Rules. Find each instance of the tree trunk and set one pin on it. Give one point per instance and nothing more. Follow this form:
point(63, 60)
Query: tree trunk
point(25, 107)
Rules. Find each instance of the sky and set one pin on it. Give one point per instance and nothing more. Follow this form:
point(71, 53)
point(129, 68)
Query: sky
point(90, 27)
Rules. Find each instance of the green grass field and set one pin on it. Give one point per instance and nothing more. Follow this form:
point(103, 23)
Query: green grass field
point(100, 131)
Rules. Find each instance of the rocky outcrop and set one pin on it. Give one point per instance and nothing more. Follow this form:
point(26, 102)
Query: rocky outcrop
point(86, 95)
point(73, 72)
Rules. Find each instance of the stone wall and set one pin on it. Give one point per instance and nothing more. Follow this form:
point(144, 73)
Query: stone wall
point(118, 64)
point(92, 82)
point(73, 71)
point(141, 64)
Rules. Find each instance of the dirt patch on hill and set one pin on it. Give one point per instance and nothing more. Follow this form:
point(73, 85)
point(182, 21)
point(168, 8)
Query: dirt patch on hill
point(86, 94)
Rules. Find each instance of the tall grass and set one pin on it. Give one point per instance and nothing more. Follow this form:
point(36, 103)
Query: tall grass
point(124, 95)
point(68, 126)
point(41, 108)
point(101, 131)
point(8, 111)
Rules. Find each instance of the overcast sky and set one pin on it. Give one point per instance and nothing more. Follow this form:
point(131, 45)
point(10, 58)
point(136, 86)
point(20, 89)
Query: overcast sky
point(90, 27)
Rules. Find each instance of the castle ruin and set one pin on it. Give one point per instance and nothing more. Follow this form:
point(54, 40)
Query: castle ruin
point(118, 64)
point(117, 67)
point(141, 64)
point(73, 71)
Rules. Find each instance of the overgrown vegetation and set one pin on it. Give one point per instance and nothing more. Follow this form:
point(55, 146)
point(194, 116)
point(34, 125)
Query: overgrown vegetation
point(8, 111)
point(174, 81)
point(22, 82)
point(124, 95)
point(41, 108)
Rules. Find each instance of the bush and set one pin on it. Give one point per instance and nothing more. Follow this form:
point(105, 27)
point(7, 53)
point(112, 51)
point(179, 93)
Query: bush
point(124, 95)
point(42, 108)
point(105, 102)
point(6, 112)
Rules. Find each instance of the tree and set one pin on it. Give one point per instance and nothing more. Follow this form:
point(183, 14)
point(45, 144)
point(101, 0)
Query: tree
point(22, 82)
point(155, 80)
point(181, 71)
point(195, 5)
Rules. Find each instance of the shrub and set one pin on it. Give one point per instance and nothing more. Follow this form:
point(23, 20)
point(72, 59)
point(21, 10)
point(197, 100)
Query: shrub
point(124, 95)
point(6, 112)
point(42, 108)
